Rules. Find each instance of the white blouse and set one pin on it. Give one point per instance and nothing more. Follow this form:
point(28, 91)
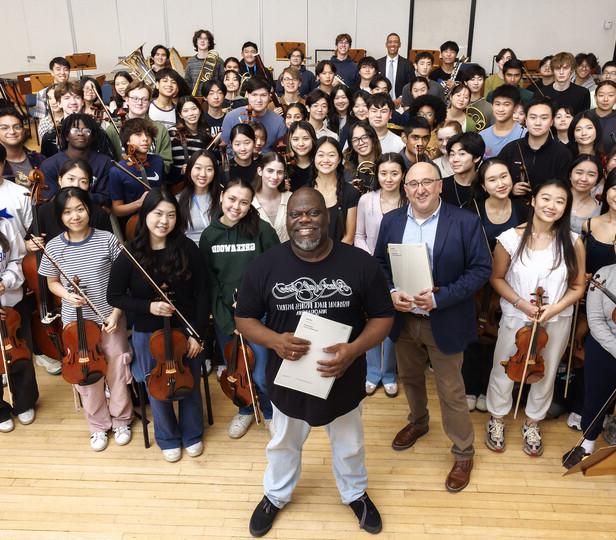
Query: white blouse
point(534, 268)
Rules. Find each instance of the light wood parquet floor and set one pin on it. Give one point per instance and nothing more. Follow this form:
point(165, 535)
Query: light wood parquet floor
point(52, 486)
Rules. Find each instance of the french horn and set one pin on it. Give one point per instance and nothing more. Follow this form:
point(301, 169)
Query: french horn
point(476, 116)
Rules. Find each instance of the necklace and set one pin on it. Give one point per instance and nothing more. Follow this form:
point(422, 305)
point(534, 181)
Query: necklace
point(455, 187)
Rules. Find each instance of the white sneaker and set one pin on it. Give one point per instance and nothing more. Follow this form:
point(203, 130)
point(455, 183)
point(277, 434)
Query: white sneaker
point(219, 371)
point(574, 421)
point(269, 426)
point(195, 450)
point(7, 426)
point(208, 366)
point(172, 454)
point(53, 367)
point(471, 401)
point(26, 417)
point(122, 435)
point(391, 389)
point(98, 441)
point(370, 388)
point(481, 404)
point(239, 425)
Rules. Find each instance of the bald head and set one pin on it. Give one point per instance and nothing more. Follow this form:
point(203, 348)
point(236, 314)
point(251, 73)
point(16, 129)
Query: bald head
point(425, 169)
point(307, 220)
point(306, 194)
point(423, 187)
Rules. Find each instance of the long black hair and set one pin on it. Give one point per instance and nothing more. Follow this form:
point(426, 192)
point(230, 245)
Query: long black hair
point(477, 188)
point(391, 157)
point(584, 115)
point(214, 188)
point(174, 265)
point(610, 182)
point(203, 129)
point(249, 224)
point(562, 231)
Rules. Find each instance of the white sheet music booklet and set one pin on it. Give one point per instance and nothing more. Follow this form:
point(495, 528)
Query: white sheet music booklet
point(410, 267)
point(302, 374)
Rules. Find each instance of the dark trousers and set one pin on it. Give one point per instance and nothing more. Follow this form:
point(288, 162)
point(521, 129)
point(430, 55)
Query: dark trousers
point(600, 382)
point(476, 368)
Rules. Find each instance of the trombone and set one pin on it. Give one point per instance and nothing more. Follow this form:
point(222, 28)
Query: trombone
point(206, 71)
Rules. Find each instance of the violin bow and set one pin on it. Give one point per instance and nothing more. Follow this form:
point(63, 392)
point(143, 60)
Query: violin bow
point(53, 120)
point(5, 364)
point(252, 394)
point(193, 333)
point(532, 81)
point(70, 280)
point(132, 175)
point(576, 312)
point(106, 109)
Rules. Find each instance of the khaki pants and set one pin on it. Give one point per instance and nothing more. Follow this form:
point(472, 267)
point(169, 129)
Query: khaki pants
point(413, 349)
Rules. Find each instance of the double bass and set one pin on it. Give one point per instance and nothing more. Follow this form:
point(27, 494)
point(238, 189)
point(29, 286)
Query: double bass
point(45, 321)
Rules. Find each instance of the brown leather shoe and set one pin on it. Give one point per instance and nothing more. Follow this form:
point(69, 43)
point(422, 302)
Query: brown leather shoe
point(407, 436)
point(459, 476)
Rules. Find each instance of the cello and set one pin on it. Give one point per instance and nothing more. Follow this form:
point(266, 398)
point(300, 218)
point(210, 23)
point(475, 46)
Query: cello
point(46, 324)
point(170, 380)
point(12, 348)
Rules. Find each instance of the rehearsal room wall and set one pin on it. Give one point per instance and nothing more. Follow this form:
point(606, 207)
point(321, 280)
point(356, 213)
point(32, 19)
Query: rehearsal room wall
point(36, 30)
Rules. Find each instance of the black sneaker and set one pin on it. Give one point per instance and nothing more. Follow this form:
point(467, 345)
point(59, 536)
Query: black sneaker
point(263, 517)
point(367, 514)
point(574, 456)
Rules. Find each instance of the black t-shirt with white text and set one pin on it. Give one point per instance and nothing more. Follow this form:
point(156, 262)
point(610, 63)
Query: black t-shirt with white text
point(348, 286)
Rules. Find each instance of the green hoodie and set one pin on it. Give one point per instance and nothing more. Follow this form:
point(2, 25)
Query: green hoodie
point(228, 255)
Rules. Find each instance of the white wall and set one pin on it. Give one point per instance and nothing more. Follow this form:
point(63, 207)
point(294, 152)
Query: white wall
point(113, 28)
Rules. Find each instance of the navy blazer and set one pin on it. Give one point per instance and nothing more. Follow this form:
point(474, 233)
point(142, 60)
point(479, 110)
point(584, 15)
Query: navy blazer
point(461, 266)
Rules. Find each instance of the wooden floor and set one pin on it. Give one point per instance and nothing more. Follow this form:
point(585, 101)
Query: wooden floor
point(53, 486)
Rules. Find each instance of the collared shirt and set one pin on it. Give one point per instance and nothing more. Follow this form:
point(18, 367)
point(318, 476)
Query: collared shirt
point(393, 62)
point(422, 231)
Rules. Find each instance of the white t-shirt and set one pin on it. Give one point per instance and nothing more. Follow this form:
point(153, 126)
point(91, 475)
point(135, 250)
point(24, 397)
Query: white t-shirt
point(15, 206)
point(166, 118)
point(391, 143)
point(535, 268)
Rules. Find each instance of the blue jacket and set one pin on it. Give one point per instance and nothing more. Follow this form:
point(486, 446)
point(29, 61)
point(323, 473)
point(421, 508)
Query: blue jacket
point(461, 266)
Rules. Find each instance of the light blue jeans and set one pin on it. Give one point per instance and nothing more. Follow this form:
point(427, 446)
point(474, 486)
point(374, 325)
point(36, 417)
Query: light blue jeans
point(381, 372)
point(284, 454)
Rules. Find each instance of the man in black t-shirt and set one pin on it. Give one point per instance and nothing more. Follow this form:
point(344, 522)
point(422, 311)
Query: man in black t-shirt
point(562, 90)
point(313, 273)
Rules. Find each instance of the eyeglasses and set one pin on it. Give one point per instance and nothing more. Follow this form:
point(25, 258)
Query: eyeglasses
point(288, 79)
point(424, 182)
point(139, 100)
point(360, 140)
point(16, 128)
point(425, 114)
point(80, 131)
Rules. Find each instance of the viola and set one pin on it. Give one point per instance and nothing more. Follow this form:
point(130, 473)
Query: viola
point(14, 349)
point(236, 381)
point(84, 362)
point(526, 364)
point(45, 321)
point(171, 379)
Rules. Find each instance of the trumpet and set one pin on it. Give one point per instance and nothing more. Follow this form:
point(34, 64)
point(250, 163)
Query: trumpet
point(137, 65)
point(207, 70)
point(476, 116)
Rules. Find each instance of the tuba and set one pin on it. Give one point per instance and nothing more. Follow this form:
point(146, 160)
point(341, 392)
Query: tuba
point(207, 70)
point(137, 65)
point(476, 116)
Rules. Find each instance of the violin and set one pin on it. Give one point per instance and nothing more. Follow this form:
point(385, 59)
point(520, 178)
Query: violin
point(526, 364)
point(12, 347)
point(596, 282)
point(236, 381)
point(84, 362)
point(132, 160)
point(170, 380)
point(46, 324)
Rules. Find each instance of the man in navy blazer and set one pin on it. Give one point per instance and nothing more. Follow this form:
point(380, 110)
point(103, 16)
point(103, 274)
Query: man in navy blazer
point(401, 68)
point(436, 324)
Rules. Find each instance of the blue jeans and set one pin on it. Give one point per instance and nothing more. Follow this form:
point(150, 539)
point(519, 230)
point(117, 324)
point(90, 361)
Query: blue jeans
point(385, 372)
point(169, 430)
point(258, 374)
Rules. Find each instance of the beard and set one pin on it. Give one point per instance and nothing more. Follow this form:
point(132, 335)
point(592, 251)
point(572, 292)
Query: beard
point(307, 244)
